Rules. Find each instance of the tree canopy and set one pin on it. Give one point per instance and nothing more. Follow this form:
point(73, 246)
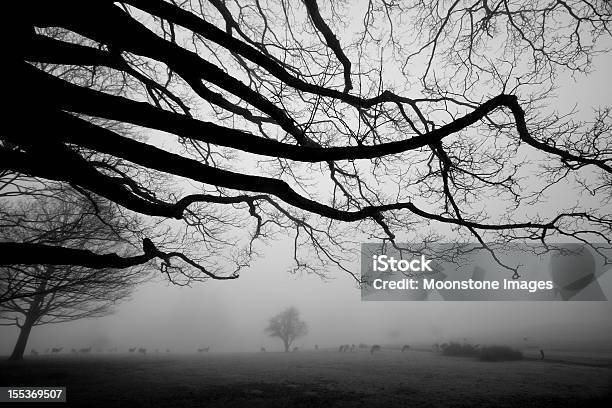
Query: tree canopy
point(329, 121)
point(33, 295)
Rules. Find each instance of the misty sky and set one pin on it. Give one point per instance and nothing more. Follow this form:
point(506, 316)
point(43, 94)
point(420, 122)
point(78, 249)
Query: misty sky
point(231, 315)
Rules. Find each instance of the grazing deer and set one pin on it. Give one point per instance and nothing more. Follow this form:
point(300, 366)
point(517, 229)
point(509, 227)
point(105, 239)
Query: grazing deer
point(353, 348)
point(341, 348)
point(34, 352)
point(142, 351)
point(132, 349)
point(56, 349)
point(205, 349)
point(374, 348)
point(405, 348)
point(85, 350)
point(74, 351)
point(263, 350)
point(295, 349)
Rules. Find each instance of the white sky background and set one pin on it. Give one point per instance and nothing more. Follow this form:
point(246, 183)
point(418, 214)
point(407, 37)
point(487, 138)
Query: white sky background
point(231, 315)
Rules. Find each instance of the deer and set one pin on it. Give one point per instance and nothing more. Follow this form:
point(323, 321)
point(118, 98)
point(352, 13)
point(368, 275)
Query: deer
point(374, 348)
point(295, 349)
point(56, 349)
point(316, 346)
point(132, 349)
point(353, 348)
point(205, 349)
point(85, 350)
point(142, 351)
point(405, 348)
point(34, 352)
point(263, 349)
point(74, 351)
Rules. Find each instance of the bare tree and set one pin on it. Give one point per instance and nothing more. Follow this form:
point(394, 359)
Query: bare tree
point(33, 295)
point(430, 119)
point(287, 326)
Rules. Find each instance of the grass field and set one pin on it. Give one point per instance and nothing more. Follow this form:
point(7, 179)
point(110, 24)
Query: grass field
point(309, 378)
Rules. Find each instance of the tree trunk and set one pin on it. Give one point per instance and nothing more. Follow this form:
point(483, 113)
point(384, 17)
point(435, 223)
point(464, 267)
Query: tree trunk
point(22, 340)
point(31, 316)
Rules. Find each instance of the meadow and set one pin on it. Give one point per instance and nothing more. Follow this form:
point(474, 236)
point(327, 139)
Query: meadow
point(316, 378)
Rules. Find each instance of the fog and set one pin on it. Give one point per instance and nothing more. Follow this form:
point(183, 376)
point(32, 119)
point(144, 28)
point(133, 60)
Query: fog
point(231, 316)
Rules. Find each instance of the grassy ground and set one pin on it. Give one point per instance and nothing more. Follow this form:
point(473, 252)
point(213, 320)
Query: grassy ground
point(309, 378)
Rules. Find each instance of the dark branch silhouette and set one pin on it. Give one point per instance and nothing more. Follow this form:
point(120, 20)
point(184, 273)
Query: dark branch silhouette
point(233, 120)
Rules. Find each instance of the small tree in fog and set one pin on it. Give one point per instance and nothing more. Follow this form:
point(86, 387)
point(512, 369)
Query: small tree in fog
point(287, 326)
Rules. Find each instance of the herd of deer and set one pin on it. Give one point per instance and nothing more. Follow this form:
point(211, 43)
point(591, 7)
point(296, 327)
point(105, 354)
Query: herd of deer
point(350, 348)
point(373, 349)
point(353, 348)
point(141, 350)
point(57, 350)
point(87, 350)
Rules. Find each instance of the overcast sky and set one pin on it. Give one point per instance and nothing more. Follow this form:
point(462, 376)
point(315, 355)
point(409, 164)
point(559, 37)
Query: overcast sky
point(231, 315)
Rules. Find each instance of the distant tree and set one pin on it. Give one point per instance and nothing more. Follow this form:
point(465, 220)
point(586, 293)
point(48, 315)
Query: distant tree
point(33, 295)
point(287, 326)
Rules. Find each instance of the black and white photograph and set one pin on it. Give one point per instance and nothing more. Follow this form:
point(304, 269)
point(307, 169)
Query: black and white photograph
point(306, 203)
